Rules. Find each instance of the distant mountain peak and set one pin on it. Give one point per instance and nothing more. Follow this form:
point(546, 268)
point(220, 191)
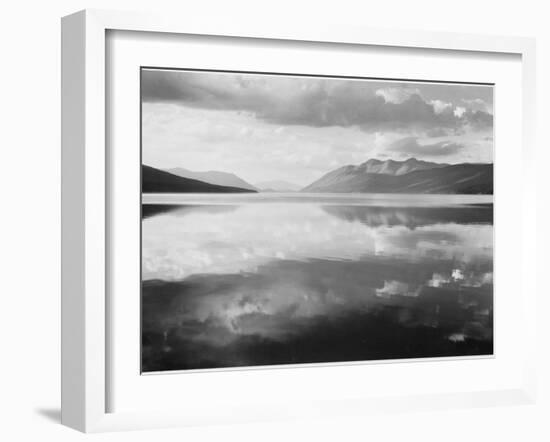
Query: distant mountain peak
point(277, 186)
point(390, 166)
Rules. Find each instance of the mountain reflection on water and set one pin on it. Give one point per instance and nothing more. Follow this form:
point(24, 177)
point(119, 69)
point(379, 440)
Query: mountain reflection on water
point(269, 283)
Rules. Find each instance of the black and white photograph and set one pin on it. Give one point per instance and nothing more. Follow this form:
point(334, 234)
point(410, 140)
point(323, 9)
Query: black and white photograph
point(303, 219)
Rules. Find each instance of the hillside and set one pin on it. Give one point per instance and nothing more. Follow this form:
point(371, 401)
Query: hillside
point(158, 181)
point(213, 177)
point(392, 167)
point(439, 178)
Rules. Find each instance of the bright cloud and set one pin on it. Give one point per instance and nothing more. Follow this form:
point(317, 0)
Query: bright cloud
point(440, 106)
point(396, 95)
point(459, 111)
point(411, 147)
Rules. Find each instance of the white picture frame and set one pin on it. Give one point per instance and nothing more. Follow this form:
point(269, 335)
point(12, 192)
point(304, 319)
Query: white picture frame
point(85, 213)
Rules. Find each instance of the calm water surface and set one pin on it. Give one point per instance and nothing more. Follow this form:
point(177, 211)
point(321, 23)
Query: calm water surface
point(263, 279)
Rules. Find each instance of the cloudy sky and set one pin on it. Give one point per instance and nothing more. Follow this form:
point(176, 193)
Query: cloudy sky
point(270, 127)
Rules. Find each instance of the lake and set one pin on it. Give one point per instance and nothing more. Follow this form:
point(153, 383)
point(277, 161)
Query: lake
point(239, 280)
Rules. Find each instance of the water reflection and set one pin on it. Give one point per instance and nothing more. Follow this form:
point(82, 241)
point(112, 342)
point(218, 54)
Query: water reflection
point(275, 283)
point(414, 216)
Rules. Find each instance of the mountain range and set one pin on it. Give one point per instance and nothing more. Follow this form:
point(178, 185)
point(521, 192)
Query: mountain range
point(159, 181)
point(372, 176)
point(213, 177)
point(409, 176)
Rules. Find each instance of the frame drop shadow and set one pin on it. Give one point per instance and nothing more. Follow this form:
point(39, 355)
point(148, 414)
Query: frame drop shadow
point(51, 414)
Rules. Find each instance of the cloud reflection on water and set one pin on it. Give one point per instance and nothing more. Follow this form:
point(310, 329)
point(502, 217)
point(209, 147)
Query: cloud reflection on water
point(275, 283)
point(229, 239)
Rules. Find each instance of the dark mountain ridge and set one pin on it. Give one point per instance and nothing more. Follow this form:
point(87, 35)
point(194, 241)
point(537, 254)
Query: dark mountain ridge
point(158, 181)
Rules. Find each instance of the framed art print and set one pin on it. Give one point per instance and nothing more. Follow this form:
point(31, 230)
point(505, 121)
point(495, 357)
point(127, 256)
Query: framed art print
point(264, 223)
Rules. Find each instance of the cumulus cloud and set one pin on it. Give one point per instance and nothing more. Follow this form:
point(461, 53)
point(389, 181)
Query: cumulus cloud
point(410, 146)
point(396, 95)
point(315, 102)
point(479, 119)
point(477, 104)
point(459, 111)
point(440, 106)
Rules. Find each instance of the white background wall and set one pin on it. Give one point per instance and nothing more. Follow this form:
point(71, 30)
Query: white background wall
point(30, 222)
